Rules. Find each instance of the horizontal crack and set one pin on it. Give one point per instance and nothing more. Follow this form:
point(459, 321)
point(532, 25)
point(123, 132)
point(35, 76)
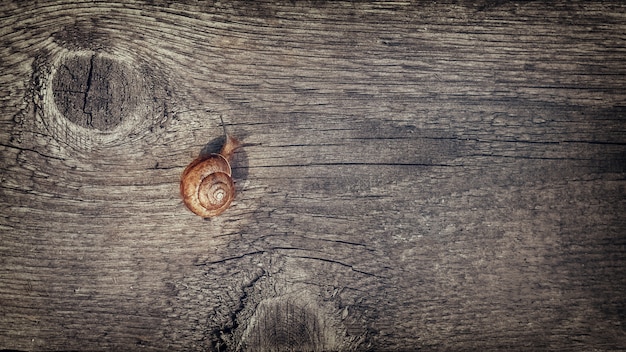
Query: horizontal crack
point(230, 258)
point(32, 151)
point(338, 263)
point(352, 164)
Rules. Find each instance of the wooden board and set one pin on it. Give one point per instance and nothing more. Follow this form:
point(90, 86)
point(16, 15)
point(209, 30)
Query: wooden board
point(429, 175)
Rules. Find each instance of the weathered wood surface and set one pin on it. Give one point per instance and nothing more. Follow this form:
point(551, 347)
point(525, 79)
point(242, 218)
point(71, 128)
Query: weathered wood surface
point(437, 176)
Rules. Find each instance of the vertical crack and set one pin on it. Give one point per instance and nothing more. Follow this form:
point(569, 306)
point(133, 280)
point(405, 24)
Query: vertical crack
point(223, 337)
point(87, 90)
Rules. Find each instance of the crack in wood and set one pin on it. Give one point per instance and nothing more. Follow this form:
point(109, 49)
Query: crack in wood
point(87, 112)
point(354, 164)
point(223, 336)
point(231, 258)
point(332, 261)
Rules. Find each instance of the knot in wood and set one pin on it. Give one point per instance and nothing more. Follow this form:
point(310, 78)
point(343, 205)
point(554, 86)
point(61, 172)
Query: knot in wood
point(95, 91)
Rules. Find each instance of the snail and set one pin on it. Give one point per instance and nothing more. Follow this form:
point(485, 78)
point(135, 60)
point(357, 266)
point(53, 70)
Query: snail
point(207, 185)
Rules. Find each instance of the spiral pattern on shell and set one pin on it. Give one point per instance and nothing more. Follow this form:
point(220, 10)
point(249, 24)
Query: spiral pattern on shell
point(216, 192)
point(207, 186)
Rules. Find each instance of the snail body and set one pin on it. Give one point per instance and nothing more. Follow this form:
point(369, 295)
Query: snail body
point(206, 185)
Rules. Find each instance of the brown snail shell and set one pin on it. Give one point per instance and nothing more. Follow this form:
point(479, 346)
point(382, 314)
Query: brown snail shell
point(207, 185)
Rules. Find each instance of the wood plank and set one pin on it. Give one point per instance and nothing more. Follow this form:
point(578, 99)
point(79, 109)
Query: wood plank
point(437, 176)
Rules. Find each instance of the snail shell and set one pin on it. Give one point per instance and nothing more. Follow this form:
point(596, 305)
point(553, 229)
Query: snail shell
point(207, 185)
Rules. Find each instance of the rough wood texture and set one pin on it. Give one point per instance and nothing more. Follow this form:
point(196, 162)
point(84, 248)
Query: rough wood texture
point(437, 176)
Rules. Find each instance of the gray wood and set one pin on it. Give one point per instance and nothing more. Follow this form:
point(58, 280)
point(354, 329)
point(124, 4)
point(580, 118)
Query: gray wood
point(437, 176)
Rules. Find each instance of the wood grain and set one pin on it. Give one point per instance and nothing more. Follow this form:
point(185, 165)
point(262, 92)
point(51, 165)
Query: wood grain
point(428, 175)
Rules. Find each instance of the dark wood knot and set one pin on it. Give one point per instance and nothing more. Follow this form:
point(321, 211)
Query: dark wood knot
point(95, 91)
